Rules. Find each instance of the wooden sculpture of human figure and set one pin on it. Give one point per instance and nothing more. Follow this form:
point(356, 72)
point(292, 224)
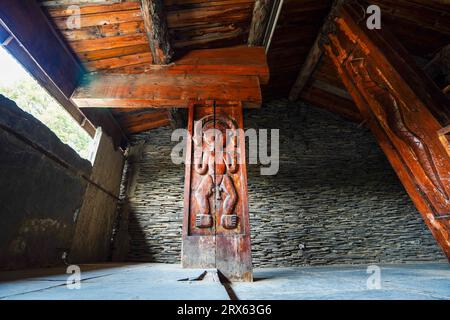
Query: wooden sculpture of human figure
point(214, 162)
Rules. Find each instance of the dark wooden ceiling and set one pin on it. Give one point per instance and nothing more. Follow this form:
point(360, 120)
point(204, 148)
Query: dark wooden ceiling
point(112, 38)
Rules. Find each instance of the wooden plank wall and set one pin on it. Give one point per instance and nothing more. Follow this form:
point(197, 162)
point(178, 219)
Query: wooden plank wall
point(95, 222)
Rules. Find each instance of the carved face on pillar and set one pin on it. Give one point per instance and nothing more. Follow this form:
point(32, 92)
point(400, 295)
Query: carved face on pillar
point(215, 160)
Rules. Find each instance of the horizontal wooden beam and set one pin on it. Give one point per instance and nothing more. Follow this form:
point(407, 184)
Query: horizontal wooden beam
point(217, 74)
point(242, 61)
point(162, 90)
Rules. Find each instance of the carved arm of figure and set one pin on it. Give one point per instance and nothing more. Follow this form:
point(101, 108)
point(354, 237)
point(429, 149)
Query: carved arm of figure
point(201, 162)
point(231, 162)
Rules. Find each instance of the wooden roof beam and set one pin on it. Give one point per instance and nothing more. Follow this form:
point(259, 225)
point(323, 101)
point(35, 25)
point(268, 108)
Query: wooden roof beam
point(157, 32)
point(260, 20)
point(313, 58)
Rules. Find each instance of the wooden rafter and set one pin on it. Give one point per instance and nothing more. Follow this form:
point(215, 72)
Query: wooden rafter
point(157, 32)
point(312, 60)
point(272, 23)
point(260, 19)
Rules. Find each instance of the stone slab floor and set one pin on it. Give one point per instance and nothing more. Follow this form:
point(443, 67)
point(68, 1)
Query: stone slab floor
point(165, 281)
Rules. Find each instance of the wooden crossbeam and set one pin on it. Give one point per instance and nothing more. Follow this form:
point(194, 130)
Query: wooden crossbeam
point(163, 90)
point(157, 32)
point(218, 74)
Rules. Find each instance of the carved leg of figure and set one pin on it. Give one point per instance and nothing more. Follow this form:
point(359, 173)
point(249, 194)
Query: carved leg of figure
point(229, 219)
point(203, 218)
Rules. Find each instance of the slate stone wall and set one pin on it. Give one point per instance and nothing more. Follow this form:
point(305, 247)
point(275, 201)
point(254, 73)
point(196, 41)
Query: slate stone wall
point(335, 199)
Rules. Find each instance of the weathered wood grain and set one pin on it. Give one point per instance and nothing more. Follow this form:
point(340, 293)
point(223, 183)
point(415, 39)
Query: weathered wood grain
point(160, 90)
point(216, 229)
point(261, 15)
point(123, 60)
point(157, 32)
point(242, 61)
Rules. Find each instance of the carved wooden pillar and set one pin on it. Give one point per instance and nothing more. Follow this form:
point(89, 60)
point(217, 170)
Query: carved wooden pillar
point(216, 230)
point(403, 108)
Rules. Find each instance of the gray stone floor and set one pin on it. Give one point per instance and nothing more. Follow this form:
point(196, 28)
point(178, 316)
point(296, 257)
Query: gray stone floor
point(165, 281)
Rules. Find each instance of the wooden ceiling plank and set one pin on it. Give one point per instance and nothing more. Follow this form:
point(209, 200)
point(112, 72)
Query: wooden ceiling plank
point(108, 43)
point(118, 62)
point(227, 14)
point(101, 19)
point(157, 32)
point(176, 5)
point(66, 10)
point(108, 30)
point(435, 18)
point(98, 55)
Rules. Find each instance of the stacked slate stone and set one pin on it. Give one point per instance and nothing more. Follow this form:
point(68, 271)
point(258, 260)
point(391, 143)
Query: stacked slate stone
point(335, 199)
